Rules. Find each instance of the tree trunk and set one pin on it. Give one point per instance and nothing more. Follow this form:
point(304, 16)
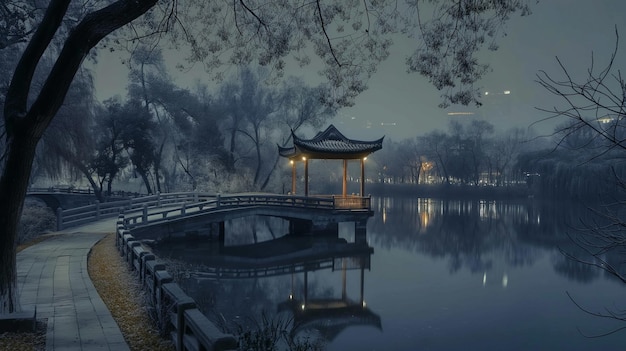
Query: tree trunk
point(157, 166)
point(26, 122)
point(13, 186)
point(144, 176)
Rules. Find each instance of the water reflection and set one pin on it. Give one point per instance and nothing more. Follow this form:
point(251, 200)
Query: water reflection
point(474, 235)
point(317, 281)
point(447, 275)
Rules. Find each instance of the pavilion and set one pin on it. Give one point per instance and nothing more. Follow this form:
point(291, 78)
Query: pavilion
point(329, 144)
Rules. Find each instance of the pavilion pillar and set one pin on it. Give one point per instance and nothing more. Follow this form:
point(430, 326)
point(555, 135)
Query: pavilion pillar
point(363, 177)
point(362, 286)
point(306, 177)
point(344, 267)
point(345, 178)
point(293, 177)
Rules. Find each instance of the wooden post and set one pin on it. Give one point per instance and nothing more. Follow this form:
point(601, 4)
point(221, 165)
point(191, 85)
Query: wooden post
point(144, 214)
point(306, 288)
point(363, 177)
point(344, 267)
point(345, 178)
point(97, 210)
point(362, 286)
point(293, 177)
point(306, 177)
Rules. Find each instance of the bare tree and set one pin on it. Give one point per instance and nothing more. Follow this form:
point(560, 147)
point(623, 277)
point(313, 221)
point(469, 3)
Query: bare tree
point(594, 107)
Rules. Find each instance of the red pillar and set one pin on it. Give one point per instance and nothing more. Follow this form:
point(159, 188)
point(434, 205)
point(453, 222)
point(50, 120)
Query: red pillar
point(363, 176)
point(293, 177)
point(306, 177)
point(345, 178)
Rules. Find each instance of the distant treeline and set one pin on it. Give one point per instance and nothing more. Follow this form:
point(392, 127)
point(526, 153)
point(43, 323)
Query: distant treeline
point(443, 191)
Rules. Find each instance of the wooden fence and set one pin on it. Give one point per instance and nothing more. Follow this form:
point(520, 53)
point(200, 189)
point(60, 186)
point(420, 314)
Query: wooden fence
point(86, 214)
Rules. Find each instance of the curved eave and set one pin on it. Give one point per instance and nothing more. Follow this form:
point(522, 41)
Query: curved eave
point(331, 150)
point(289, 152)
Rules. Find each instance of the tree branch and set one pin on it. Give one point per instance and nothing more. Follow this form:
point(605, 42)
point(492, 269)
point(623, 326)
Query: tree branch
point(93, 28)
point(17, 94)
point(330, 46)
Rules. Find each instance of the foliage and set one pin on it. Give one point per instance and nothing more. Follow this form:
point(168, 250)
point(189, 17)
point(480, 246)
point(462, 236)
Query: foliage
point(348, 37)
point(25, 341)
point(256, 117)
point(36, 219)
point(272, 334)
point(470, 153)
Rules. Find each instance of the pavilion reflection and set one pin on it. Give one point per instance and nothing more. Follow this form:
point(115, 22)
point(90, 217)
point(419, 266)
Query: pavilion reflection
point(330, 316)
point(297, 257)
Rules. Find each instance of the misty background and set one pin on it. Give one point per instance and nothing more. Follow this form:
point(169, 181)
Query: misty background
point(402, 105)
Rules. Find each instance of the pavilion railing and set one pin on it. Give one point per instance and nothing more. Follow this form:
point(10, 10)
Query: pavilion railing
point(352, 202)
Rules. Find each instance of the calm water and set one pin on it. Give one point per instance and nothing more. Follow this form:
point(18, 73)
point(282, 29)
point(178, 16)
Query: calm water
point(437, 275)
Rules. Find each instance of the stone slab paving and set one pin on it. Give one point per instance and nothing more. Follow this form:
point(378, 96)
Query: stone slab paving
point(53, 277)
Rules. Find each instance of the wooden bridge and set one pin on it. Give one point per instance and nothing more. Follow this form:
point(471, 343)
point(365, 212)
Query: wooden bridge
point(166, 214)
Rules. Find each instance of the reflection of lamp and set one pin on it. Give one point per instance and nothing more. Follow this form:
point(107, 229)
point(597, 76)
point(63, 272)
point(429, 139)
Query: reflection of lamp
point(505, 280)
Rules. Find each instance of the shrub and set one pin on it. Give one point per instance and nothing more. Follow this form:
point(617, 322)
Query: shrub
point(36, 219)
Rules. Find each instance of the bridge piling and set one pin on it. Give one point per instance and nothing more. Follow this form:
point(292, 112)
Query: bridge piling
point(360, 231)
point(300, 226)
point(59, 219)
point(221, 235)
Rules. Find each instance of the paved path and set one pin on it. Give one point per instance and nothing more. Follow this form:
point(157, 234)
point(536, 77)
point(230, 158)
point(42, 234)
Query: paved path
point(52, 275)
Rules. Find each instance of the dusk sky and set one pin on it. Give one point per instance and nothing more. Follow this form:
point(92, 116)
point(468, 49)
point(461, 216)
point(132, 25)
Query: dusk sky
point(401, 105)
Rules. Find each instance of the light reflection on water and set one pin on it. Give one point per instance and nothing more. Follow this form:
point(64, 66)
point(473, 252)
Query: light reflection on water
point(443, 275)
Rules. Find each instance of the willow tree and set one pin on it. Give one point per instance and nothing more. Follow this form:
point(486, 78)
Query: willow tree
point(347, 39)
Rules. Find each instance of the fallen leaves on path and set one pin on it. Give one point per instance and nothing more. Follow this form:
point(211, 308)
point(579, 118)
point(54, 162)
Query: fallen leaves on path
point(121, 292)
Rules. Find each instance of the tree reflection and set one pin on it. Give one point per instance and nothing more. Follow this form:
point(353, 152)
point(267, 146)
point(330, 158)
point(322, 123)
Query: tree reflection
point(479, 235)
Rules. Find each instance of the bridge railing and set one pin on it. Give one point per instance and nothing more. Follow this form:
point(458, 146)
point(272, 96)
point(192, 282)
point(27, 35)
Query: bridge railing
point(337, 203)
point(140, 210)
point(66, 190)
point(85, 214)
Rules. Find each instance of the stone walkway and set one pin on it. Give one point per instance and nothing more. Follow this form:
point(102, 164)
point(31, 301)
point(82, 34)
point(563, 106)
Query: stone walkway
point(52, 275)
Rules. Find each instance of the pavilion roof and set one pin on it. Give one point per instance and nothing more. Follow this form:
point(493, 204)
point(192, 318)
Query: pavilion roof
point(330, 144)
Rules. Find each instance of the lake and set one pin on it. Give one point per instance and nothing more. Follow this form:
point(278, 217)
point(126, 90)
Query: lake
point(429, 275)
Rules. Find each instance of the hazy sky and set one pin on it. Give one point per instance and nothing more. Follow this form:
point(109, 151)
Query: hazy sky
point(401, 105)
